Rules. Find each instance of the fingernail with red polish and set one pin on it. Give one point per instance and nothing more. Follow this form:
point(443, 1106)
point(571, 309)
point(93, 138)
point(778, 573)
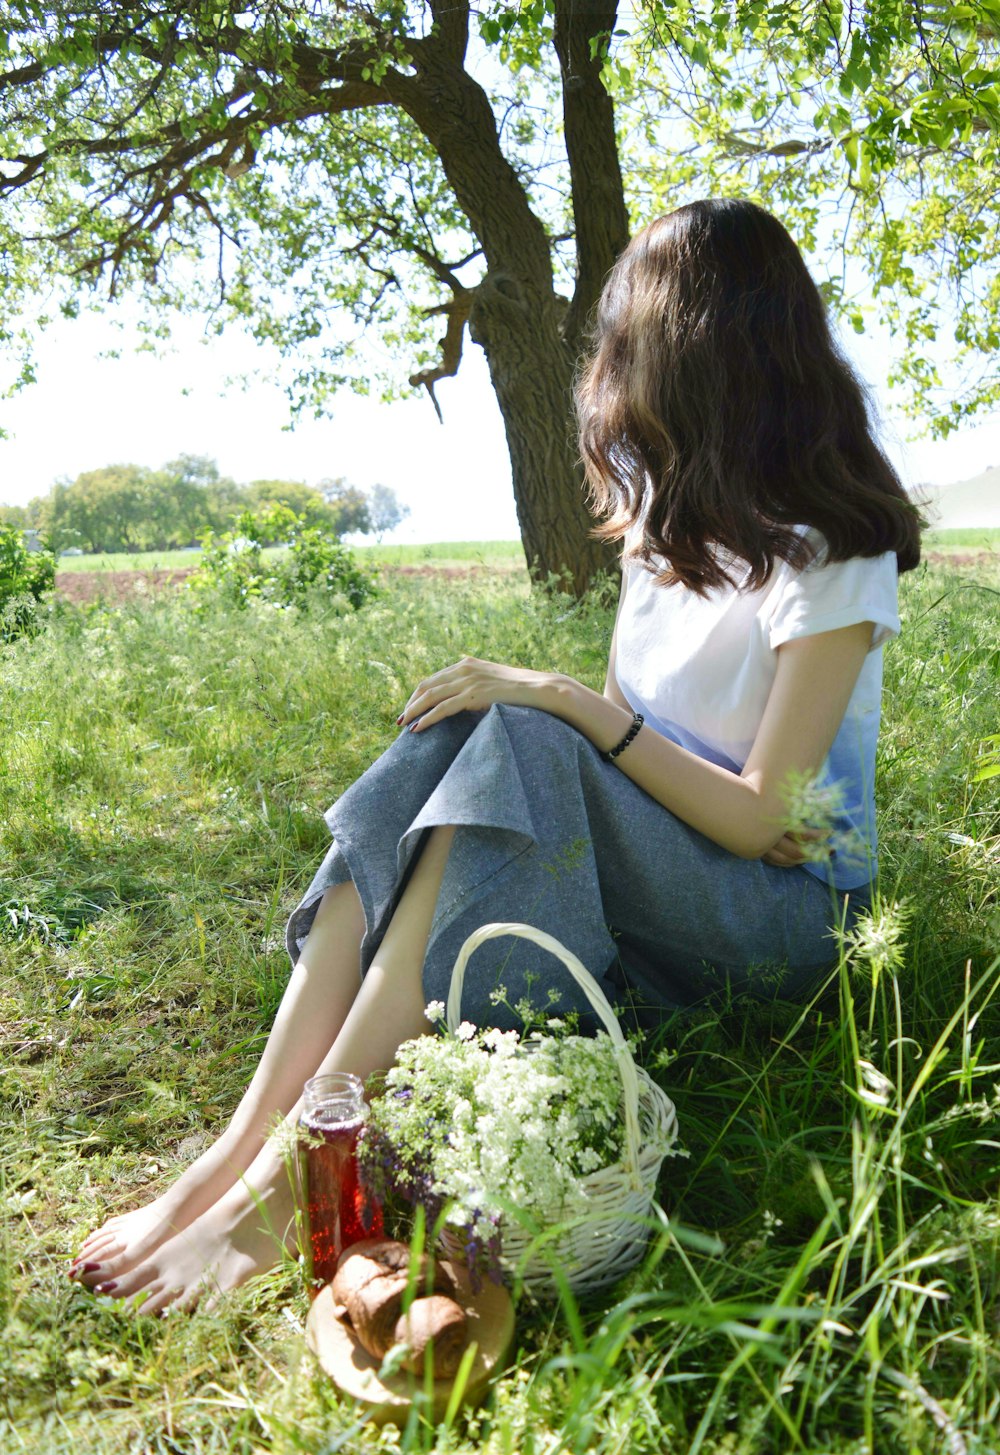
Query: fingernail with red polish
point(107, 1287)
point(88, 1267)
point(399, 719)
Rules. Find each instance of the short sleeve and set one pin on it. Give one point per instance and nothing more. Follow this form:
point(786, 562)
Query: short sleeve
point(831, 594)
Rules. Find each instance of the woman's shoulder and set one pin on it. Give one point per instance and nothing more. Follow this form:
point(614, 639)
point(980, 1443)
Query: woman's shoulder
point(824, 593)
point(820, 561)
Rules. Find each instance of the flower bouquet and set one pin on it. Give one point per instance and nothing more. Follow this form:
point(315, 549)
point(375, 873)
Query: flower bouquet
point(537, 1157)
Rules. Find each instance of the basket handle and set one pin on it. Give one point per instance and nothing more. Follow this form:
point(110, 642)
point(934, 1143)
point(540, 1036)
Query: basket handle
point(594, 994)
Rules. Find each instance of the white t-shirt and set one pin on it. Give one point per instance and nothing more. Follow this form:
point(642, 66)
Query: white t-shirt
point(700, 670)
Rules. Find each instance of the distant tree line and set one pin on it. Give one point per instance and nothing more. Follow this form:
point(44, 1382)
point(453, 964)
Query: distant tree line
point(132, 508)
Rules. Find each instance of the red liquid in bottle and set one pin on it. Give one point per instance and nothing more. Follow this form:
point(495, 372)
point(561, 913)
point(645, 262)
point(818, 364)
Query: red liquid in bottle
point(340, 1209)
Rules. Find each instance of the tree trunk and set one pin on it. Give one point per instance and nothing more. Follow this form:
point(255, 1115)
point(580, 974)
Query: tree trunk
point(516, 315)
point(532, 373)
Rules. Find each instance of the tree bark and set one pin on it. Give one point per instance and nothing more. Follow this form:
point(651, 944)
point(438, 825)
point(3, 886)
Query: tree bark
point(532, 373)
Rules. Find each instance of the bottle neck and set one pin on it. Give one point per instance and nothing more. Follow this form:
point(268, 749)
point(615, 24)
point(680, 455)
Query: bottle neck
point(336, 1098)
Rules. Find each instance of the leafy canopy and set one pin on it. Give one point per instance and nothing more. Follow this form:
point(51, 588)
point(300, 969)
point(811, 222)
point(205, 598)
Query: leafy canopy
point(267, 164)
point(134, 508)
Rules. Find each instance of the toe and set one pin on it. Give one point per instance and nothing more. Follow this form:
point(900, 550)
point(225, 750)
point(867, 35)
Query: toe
point(99, 1245)
point(114, 1263)
point(132, 1282)
point(107, 1230)
point(190, 1299)
point(89, 1274)
point(166, 1301)
point(152, 1300)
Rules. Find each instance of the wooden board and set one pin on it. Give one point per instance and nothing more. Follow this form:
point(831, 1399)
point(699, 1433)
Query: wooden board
point(355, 1372)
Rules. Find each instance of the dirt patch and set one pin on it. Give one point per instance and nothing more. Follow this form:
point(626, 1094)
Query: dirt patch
point(963, 560)
point(82, 587)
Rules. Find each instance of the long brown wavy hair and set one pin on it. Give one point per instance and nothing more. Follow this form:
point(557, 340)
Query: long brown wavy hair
point(717, 411)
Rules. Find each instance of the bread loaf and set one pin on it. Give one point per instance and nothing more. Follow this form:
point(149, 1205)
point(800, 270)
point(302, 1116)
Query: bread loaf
point(369, 1288)
point(433, 1329)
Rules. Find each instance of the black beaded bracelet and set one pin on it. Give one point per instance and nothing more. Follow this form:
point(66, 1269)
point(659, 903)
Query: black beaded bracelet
point(612, 753)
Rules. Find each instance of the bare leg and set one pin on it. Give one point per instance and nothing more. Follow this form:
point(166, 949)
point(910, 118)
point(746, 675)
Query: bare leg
point(245, 1231)
point(313, 1008)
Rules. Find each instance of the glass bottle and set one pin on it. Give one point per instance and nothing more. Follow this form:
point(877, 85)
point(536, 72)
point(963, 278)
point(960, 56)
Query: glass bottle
point(338, 1208)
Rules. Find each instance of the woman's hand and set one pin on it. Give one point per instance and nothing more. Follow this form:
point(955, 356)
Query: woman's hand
point(787, 853)
point(471, 685)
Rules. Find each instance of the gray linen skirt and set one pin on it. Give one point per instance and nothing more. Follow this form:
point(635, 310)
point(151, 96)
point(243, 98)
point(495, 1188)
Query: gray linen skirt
point(551, 834)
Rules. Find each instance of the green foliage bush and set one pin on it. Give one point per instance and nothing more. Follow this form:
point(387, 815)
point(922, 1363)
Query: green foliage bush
point(25, 579)
point(234, 567)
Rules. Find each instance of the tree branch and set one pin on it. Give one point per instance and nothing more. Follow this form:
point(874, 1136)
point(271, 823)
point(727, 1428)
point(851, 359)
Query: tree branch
point(451, 28)
point(457, 313)
point(601, 220)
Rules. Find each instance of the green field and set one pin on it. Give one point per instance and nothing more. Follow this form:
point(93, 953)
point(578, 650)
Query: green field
point(447, 553)
point(131, 561)
point(829, 1277)
point(963, 540)
point(502, 555)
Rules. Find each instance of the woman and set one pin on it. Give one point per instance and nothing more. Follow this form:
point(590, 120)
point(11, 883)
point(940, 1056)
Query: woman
point(727, 444)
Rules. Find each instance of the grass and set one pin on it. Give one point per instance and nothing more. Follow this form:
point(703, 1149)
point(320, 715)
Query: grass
point(828, 1280)
point(986, 539)
point(131, 561)
point(450, 553)
point(445, 553)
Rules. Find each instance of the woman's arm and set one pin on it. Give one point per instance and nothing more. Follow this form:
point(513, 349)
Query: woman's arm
point(611, 688)
point(745, 813)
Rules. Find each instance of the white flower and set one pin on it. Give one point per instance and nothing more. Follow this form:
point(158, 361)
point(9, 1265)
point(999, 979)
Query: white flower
point(770, 1223)
point(435, 1011)
point(502, 1132)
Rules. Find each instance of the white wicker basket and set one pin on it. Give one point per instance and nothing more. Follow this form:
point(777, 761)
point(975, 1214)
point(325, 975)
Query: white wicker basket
point(596, 1250)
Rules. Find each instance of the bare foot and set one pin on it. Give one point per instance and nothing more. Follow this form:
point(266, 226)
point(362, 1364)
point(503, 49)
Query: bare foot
point(242, 1234)
point(129, 1238)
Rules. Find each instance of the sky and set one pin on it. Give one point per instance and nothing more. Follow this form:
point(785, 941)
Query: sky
point(85, 411)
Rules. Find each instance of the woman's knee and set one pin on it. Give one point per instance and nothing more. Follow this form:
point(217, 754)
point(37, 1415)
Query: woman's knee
point(443, 741)
point(538, 730)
